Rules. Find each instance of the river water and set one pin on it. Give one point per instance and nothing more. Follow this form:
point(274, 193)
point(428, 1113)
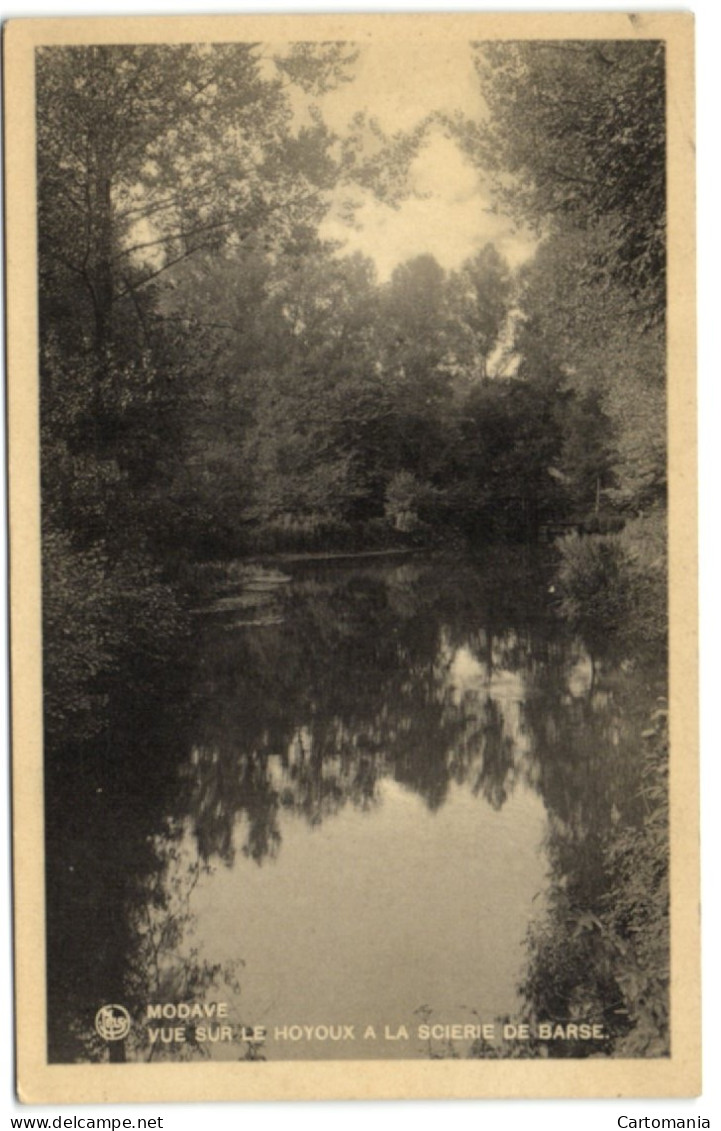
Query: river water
point(343, 825)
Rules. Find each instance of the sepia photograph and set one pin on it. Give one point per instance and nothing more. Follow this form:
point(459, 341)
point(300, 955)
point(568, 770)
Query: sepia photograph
point(351, 434)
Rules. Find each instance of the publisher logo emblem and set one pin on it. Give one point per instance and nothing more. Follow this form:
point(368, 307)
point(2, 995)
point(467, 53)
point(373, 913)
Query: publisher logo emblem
point(112, 1022)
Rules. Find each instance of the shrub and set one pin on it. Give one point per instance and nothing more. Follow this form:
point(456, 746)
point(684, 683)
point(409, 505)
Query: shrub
point(596, 588)
point(78, 638)
point(409, 503)
point(637, 919)
point(100, 613)
point(614, 588)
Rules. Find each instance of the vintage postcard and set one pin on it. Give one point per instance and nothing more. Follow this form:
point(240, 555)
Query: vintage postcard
point(353, 556)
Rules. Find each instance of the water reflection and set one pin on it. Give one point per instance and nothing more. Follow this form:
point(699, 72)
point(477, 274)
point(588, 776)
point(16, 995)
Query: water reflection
point(365, 798)
point(372, 673)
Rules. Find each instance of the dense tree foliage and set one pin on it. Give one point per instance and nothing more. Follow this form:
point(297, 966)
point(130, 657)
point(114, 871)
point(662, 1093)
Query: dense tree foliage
point(148, 157)
point(159, 152)
point(576, 142)
point(577, 132)
point(596, 339)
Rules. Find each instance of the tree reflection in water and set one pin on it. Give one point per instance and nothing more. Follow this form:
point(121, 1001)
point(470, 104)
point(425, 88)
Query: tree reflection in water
point(163, 965)
point(357, 684)
point(432, 675)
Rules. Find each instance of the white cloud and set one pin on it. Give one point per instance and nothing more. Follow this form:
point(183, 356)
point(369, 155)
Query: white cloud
point(400, 85)
point(451, 220)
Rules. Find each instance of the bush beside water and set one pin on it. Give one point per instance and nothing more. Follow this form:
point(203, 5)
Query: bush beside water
point(607, 964)
point(613, 588)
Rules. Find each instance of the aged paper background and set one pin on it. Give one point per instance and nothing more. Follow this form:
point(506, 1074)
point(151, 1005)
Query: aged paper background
point(312, 1080)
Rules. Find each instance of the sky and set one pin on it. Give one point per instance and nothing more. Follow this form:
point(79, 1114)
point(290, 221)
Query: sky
point(450, 214)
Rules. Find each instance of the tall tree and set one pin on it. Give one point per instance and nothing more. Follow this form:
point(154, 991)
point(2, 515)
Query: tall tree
point(589, 334)
point(574, 144)
point(149, 154)
point(577, 132)
point(480, 294)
